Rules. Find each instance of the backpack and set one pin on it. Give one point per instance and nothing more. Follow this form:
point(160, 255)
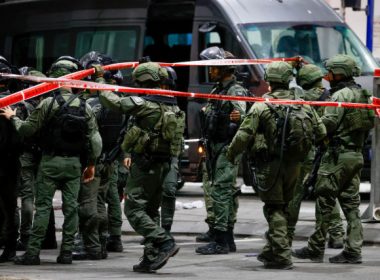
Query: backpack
point(295, 129)
point(170, 124)
point(67, 129)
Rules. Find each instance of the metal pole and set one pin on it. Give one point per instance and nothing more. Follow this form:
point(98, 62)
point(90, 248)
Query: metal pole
point(370, 11)
point(372, 213)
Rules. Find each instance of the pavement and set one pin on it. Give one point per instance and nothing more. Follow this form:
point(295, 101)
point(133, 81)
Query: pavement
point(250, 219)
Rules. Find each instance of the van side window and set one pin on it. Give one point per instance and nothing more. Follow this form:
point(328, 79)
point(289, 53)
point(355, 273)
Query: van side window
point(42, 49)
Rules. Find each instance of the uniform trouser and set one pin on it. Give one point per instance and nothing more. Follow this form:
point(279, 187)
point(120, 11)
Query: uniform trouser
point(56, 172)
point(26, 192)
point(279, 191)
point(210, 217)
point(169, 196)
point(222, 192)
point(8, 201)
point(143, 199)
point(105, 171)
point(88, 215)
point(335, 227)
point(114, 207)
point(339, 178)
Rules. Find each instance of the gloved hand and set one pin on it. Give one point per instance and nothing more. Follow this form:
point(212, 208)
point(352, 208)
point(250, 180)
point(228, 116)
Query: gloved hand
point(89, 174)
point(99, 72)
point(235, 116)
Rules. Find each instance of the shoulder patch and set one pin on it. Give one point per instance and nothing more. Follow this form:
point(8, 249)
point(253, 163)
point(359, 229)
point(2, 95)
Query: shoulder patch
point(137, 100)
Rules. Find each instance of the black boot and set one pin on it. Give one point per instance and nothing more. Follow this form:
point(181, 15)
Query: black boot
point(144, 266)
point(27, 259)
point(231, 239)
point(219, 246)
point(165, 251)
point(114, 244)
point(8, 255)
point(208, 236)
point(305, 253)
point(65, 257)
point(345, 257)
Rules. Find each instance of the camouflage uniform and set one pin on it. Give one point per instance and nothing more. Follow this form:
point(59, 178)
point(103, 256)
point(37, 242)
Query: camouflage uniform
point(150, 163)
point(56, 170)
point(221, 173)
point(277, 176)
point(339, 174)
point(310, 78)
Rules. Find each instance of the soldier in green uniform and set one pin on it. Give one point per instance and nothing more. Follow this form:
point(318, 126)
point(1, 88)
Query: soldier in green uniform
point(309, 77)
point(29, 161)
point(154, 137)
point(93, 217)
point(171, 179)
point(68, 127)
point(339, 173)
point(276, 161)
point(221, 120)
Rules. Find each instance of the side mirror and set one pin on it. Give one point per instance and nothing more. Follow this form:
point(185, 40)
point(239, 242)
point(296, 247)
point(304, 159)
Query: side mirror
point(208, 27)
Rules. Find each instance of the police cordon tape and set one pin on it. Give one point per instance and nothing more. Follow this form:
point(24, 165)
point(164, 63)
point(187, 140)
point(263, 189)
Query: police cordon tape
point(65, 82)
point(46, 87)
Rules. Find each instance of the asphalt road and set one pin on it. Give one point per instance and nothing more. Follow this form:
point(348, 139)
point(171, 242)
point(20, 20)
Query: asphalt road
point(188, 265)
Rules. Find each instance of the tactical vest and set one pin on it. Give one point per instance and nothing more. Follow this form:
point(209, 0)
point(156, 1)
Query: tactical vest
point(66, 131)
point(359, 119)
point(157, 139)
point(217, 124)
point(109, 123)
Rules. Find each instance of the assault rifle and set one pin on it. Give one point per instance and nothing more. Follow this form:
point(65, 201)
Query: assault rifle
point(310, 181)
point(112, 155)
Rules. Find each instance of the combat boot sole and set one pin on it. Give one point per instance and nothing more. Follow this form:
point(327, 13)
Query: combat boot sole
point(274, 265)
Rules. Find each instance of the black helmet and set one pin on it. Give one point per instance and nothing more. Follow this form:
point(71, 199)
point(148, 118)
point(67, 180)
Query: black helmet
point(218, 53)
point(212, 53)
point(171, 79)
point(95, 57)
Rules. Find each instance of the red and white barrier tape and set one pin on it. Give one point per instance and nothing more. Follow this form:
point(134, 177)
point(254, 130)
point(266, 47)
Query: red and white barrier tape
point(60, 82)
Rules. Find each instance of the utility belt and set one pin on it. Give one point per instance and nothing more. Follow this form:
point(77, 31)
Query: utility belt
point(338, 145)
point(145, 161)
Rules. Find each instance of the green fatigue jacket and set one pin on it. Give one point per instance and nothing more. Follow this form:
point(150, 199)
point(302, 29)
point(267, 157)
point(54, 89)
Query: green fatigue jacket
point(339, 173)
point(38, 119)
point(259, 129)
point(146, 112)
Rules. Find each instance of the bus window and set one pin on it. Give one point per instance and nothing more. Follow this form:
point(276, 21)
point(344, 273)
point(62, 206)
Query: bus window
point(29, 50)
point(119, 44)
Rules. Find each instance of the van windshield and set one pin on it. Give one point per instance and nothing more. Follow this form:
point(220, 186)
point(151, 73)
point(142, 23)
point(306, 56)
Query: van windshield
point(316, 43)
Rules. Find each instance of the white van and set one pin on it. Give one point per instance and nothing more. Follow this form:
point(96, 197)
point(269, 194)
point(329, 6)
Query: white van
point(36, 32)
